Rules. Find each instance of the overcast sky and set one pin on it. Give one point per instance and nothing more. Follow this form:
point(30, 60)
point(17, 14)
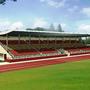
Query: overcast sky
point(73, 15)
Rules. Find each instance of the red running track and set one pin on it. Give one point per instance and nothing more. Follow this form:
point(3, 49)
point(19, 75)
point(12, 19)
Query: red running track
point(25, 65)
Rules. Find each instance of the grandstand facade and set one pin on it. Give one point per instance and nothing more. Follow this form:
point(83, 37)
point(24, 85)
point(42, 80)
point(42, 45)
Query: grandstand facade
point(15, 45)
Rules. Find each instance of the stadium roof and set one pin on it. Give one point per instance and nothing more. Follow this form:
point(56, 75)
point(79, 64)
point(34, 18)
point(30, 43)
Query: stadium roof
point(42, 33)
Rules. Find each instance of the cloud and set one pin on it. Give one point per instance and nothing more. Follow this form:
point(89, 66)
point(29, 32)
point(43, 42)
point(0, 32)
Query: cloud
point(54, 3)
point(86, 11)
point(73, 9)
point(17, 26)
point(83, 28)
point(64, 26)
point(39, 22)
point(42, 0)
point(4, 25)
point(8, 25)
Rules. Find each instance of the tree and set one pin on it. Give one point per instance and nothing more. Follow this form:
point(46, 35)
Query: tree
point(29, 29)
point(52, 28)
point(40, 29)
point(3, 1)
point(59, 28)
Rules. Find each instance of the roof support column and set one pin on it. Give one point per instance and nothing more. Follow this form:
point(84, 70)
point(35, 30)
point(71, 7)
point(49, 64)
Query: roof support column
point(55, 42)
point(39, 43)
point(7, 41)
point(19, 39)
point(39, 39)
point(69, 42)
point(86, 40)
point(48, 43)
point(29, 39)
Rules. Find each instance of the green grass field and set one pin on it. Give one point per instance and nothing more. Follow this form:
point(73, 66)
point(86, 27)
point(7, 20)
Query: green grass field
point(67, 76)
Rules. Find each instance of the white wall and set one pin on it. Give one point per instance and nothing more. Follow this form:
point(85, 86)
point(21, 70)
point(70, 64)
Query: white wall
point(3, 51)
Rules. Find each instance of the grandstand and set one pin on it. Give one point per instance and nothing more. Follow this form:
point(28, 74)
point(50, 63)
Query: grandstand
point(26, 45)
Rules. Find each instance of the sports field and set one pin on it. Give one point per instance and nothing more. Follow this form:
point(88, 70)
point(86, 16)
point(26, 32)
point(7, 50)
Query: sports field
point(66, 76)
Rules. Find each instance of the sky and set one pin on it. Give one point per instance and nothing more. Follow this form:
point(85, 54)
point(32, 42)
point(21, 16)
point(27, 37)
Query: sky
point(73, 15)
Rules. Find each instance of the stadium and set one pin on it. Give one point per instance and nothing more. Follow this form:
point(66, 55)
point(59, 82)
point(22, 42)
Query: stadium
point(44, 60)
point(45, 45)
point(16, 46)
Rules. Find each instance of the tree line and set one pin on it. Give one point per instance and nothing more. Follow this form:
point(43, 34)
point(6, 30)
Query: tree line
point(51, 28)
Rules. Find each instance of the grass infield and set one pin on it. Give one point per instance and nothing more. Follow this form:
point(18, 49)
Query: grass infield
point(66, 76)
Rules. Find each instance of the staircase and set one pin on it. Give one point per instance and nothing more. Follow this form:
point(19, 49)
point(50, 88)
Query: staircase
point(6, 48)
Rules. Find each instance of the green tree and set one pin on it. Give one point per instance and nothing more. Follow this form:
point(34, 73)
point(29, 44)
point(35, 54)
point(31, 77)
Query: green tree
point(59, 28)
point(29, 29)
point(52, 28)
point(3, 1)
point(40, 29)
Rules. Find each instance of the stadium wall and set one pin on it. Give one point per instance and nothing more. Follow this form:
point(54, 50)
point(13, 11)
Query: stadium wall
point(4, 51)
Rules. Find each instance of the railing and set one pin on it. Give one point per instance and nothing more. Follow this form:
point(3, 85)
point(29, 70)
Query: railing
point(33, 58)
